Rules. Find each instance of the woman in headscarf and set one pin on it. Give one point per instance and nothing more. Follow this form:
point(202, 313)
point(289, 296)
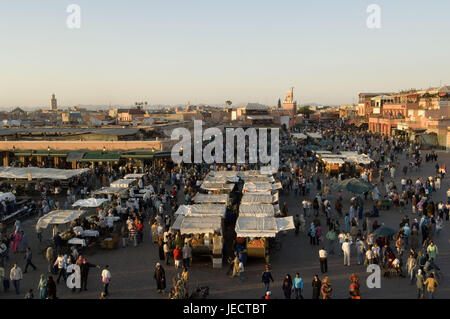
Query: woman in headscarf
point(312, 234)
point(354, 287)
point(316, 285)
point(160, 277)
point(42, 287)
point(287, 286)
point(326, 288)
point(16, 238)
point(51, 288)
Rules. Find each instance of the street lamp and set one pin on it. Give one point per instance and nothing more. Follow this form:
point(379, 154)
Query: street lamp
point(104, 150)
point(48, 149)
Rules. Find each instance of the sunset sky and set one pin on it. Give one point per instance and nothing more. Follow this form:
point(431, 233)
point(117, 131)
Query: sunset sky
point(208, 51)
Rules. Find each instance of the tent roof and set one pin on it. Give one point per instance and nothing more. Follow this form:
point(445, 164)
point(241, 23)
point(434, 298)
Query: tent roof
point(58, 217)
point(89, 202)
point(260, 210)
point(262, 226)
point(211, 198)
point(40, 173)
point(202, 210)
point(197, 224)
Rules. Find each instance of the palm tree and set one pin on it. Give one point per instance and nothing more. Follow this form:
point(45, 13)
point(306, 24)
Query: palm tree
point(228, 102)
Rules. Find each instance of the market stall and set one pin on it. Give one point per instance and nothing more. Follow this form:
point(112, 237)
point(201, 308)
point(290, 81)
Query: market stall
point(90, 202)
point(204, 234)
point(217, 187)
point(123, 183)
point(255, 198)
point(211, 198)
point(256, 231)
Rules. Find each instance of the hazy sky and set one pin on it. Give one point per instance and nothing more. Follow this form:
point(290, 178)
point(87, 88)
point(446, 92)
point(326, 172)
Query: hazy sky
point(209, 51)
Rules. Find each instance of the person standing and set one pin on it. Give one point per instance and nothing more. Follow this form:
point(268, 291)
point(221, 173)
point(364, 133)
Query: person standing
point(42, 287)
point(346, 249)
point(331, 236)
point(287, 286)
point(106, 279)
point(326, 288)
point(432, 250)
point(84, 272)
point(266, 278)
point(297, 286)
point(160, 277)
point(28, 257)
point(61, 263)
point(51, 288)
point(187, 255)
point(360, 251)
point(323, 260)
point(16, 276)
point(420, 285)
point(316, 286)
point(50, 256)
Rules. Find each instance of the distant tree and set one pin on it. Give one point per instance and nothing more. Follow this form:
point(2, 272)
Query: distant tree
point(228, 102)
point(279, 103)
point(306, 111)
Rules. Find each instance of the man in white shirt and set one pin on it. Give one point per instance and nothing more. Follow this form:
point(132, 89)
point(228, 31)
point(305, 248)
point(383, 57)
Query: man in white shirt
point(106, 279)
point(346, 249)
point(16, 276)
point(323, 260)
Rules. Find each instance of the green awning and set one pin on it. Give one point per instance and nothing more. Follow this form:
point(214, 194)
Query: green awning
point(163, 154)
point(138, 154)
point(75, 156)
point(99, 156)
point(53, 153)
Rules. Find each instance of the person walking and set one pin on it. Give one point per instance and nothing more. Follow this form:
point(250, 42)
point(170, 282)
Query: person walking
point(432, 250)
point(346, 249)
point(51, 288)
point(241, 271)
point(431, 284)
point(16, 276)
point(297, 286)
point(187, 255)
point(323, 260)
point(160, 277)
point(266, 278)
point(50, 256)
point(61, 263)
point(420, 285)
point(106, 279)
point(42, 287)
point(287, 286)
point(28, 257)
point(316, 286)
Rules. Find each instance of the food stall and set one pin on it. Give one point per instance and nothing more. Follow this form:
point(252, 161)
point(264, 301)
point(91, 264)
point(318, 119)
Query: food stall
point(204, 233)
point(261, 187)
point(257, 230)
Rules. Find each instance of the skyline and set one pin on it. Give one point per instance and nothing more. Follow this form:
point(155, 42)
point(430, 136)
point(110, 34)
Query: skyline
point(204, 52)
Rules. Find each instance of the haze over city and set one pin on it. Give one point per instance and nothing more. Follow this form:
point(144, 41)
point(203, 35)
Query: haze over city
point(210, 51)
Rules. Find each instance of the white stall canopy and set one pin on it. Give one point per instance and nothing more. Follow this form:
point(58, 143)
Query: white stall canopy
point(40, 173)
point(197, 224)
point(110, 190)
point(217, 186)
point(255, 198)
point(314, 135)
point(202, 210)
point(262, 226)
point(258, 187)
point(259, 210)
point(211, 198)
point(59, 217)
point(122, 183)
point(90, 202)
point(299, 136)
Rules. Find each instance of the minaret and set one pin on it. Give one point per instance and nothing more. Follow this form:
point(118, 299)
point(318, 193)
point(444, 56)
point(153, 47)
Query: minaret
point(289, 103)
point(53, 103)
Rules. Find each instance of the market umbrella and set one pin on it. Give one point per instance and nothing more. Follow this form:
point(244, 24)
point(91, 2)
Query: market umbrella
point(353, 185)
point(384, 231)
